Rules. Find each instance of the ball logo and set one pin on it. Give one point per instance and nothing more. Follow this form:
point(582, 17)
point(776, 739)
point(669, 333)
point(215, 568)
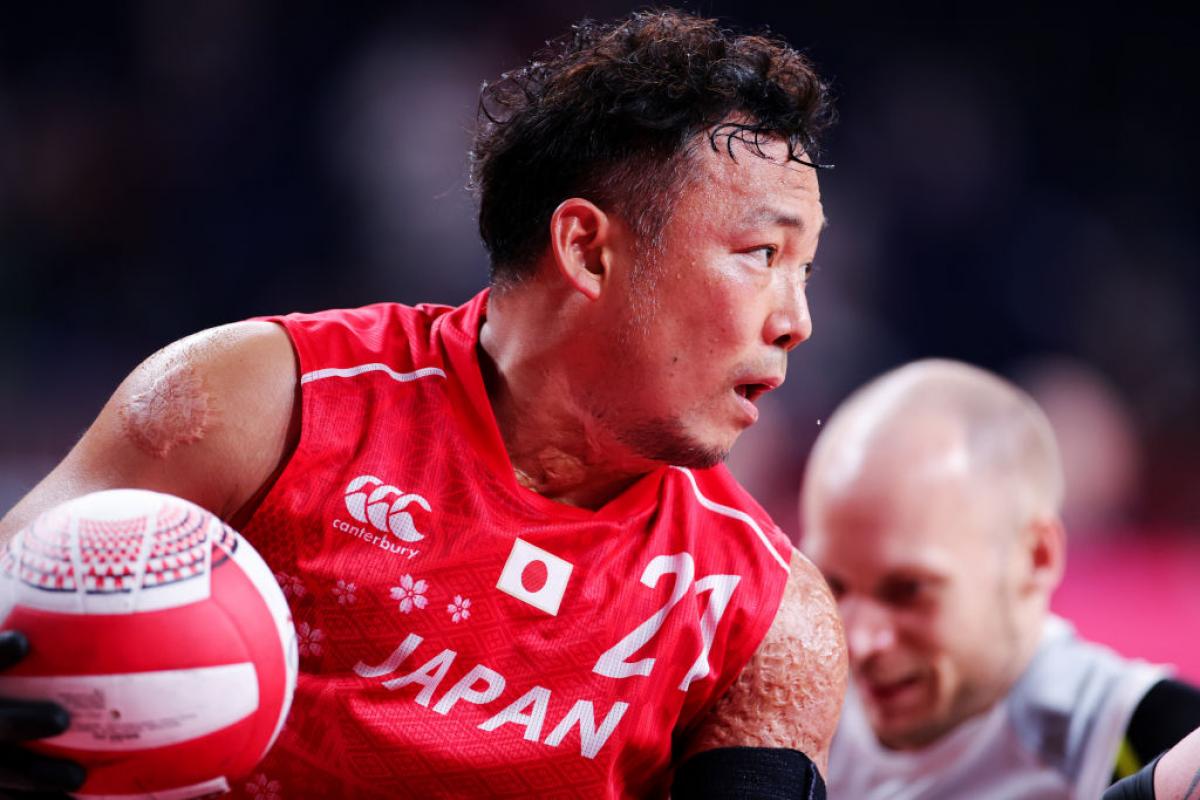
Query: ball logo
point(535, 576)
point(369, 499)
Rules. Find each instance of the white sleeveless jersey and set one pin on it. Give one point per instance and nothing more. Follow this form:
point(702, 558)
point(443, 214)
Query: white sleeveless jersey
point(1054, 737)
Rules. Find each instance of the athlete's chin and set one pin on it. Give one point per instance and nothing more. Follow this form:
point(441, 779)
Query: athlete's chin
point(703, 459)
point(692, 454)
point(671, 442)
point(909, 731)
point(706, 448)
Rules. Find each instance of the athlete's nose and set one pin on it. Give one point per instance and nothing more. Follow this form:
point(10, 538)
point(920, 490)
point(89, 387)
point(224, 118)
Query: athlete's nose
point(789, 322)
point(869, 628)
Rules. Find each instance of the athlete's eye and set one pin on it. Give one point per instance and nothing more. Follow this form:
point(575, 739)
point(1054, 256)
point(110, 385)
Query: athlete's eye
point(901, 591)
point(766, 253)
point(810, 269)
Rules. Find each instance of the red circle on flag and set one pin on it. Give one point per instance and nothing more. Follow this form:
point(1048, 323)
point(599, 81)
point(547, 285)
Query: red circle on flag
point(534, 576)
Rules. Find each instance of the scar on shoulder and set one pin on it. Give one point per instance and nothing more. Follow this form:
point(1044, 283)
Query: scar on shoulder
point(790, 695)
point(174, 410)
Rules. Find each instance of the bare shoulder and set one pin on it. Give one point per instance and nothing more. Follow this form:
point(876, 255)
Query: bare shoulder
point(206, 387)
point(790, 694)
point(206, 418)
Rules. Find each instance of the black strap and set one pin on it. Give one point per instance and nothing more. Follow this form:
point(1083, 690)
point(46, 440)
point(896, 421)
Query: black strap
point(735, 773)
point(1138, 786)
point(1166, 714)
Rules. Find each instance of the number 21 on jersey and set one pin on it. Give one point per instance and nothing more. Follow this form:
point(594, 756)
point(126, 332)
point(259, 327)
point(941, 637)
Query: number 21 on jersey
point(614, 662)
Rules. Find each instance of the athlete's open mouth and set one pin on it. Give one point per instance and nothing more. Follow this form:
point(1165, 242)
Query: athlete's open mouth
point(752, 391)
point(884, 692)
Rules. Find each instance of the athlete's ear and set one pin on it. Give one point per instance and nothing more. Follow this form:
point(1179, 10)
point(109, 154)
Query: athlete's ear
point(581, 243)
point(1046, 549)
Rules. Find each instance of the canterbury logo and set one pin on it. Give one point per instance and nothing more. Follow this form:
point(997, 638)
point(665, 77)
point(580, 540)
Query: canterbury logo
point(368, 499)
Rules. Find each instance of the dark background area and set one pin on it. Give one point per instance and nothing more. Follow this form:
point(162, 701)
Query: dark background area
point(1014, 187)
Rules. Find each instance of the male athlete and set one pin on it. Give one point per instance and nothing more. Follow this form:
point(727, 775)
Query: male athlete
point(931, 505)
point(516, 565)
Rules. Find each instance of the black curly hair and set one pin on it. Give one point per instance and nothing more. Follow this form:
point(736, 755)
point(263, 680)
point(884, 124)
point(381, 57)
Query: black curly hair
point(611, 112)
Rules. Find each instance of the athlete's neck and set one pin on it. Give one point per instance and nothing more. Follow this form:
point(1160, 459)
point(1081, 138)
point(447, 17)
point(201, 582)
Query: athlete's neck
point(556, 448)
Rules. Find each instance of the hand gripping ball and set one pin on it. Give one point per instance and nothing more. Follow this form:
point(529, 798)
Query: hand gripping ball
point(161, 631)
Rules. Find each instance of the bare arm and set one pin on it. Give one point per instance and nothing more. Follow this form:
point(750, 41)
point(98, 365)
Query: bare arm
point(790, 694)
point(1177, 776)
point(207, 418)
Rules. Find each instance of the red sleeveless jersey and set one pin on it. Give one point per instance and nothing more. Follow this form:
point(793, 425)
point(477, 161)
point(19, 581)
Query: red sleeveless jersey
point(461, 636)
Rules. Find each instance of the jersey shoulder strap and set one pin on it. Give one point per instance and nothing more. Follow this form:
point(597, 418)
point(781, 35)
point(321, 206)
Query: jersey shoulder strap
point(1074, 702)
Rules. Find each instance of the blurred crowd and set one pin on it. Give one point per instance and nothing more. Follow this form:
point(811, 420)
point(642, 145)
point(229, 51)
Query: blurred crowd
point(1012, 189)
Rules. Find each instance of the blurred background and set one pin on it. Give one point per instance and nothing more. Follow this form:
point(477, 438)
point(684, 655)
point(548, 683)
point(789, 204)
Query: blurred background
point(1015, 188)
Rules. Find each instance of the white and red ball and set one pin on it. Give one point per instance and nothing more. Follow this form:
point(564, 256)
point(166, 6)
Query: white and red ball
point(160, 630)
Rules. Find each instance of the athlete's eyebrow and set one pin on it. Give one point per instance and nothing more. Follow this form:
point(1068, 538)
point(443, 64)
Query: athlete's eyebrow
point(765, 215)
point(913, 572)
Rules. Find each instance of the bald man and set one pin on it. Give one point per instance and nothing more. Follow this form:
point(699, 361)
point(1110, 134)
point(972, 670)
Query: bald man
point(931, 504)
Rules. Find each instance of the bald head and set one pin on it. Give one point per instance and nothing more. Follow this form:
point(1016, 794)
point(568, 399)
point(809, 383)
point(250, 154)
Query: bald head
point(931, 505)
point(941, 420)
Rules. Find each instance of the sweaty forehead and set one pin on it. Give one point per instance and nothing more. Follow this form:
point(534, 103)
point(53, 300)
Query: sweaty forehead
point(751, 173)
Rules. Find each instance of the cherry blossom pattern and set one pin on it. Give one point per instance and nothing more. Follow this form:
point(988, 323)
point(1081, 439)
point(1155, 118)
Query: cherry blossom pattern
point(261, 787)
point(291, 584)
point(410, 593)
point(309, 639)
point(460, 609)
point(345, 592)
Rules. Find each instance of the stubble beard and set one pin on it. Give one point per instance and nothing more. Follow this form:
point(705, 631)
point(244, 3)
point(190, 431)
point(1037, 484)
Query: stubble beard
point(666, 441)
point(978, 693)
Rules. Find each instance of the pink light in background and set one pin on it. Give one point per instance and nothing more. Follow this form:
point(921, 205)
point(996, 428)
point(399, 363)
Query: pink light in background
point(1139, 593)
